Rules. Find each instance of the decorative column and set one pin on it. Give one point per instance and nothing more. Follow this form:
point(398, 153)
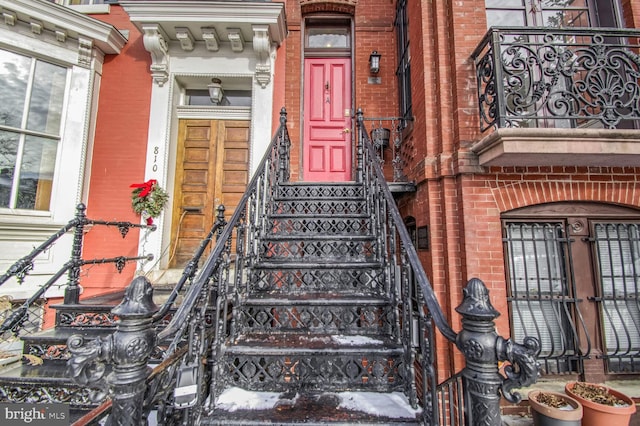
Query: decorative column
point(482, 349)
point(128, 350)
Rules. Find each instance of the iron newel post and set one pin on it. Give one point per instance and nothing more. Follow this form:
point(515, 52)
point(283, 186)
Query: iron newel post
point(483, 349)
point(128, 350)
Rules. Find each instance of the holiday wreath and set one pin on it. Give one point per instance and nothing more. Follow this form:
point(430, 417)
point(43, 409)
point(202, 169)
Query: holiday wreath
point(148, 199)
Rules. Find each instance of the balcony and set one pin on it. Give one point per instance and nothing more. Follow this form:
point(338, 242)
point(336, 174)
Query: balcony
point(551, 96)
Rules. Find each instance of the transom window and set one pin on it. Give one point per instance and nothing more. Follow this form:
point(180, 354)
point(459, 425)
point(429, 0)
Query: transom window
point(327, 36)
point(200, 97)
point(33, 93)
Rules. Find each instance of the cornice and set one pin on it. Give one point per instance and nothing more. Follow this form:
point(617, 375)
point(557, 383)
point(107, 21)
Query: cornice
point(61, 19)
point(210, 12)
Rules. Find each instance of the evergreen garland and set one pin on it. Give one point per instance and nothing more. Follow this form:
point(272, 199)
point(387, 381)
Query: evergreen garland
point(148, 199)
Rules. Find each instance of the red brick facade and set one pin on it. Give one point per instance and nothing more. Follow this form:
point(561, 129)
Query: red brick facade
point(460, 202)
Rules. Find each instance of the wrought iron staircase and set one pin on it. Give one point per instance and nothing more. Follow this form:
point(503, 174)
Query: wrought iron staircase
point(316, 314)
point(313, 295)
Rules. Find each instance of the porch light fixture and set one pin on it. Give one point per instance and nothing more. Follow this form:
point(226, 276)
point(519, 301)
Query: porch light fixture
point(215, 91)
point(374, 62)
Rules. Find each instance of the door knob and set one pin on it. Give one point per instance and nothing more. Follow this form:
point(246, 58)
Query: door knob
point(346, 130)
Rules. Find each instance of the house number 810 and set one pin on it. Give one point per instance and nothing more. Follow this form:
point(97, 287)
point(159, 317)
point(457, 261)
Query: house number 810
point(156, 150)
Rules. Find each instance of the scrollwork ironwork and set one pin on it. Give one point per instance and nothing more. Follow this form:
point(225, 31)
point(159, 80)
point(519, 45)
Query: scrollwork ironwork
point(558, 77)
point(523, 369)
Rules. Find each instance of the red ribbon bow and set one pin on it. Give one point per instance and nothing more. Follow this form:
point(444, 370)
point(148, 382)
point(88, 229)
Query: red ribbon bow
point(146, 187)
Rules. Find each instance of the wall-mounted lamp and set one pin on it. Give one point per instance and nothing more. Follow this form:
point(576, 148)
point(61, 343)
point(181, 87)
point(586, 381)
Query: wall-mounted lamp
point(215, 91)
point(374, 62)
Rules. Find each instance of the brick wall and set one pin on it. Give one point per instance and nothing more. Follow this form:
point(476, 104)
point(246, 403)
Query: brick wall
point(373, 31)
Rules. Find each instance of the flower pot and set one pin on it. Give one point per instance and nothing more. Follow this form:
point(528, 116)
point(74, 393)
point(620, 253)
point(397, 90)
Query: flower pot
point(597, 414)
point(546, 415)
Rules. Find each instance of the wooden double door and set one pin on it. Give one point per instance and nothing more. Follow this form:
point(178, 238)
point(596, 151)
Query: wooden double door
point(212, 168)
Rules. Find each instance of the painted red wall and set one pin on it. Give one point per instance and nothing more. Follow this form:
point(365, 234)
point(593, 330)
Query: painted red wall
point(118, 160)
point(118, 155)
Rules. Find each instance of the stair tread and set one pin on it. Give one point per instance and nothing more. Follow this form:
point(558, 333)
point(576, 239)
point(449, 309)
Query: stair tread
point(236, 406)
point(318, 216)
point(63, 333)
point(330, 264)
point(103, 300)
point(266, 343)
point(49, 372)
point(318, 237)
point(314, 298)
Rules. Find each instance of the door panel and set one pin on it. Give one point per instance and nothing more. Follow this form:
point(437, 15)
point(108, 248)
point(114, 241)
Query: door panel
point(212, 168)
point(327, 103)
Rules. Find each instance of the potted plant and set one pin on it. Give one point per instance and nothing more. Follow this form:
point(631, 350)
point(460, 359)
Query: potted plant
point(554, 409)
point(601, 404)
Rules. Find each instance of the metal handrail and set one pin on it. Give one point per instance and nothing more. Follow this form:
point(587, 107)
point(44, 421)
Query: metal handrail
point(192, 266)
point(213, 261)
point(420, 275)
point(21, 268)
point(188, 333)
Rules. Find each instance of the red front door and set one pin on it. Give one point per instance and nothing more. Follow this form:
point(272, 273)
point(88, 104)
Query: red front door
point(327, 119)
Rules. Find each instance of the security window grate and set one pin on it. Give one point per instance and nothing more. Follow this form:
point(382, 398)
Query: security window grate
point(540, 292)
point(617, 247)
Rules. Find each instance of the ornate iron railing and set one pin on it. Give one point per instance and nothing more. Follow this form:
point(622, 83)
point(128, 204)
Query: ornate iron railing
point(386, 136)
point(419, 311)
point(551, 77)
point(190, 377)
point(19, 319)
point(186, 382)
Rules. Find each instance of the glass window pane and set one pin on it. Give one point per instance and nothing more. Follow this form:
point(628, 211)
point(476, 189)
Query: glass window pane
point(564, 3)
point(535, 258)
point(504, 3)
point(231, 98)
point(618, 251)
point(36, 173)
point(47, 95)
point(8, 153)
point(565, 18)
point(505, 18)
point(14, 76)
point(328, 38)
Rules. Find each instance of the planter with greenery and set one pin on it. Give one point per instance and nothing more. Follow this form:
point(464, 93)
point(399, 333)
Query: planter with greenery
point(602, 405)
point(554, 409)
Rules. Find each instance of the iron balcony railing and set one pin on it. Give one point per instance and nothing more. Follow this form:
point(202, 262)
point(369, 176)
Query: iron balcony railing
point(562, 78)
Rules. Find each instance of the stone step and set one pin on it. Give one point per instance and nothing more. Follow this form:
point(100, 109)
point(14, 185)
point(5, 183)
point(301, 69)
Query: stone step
point(285, 362)
point(51, 344)
point(46, 383)
point(357, 278)
point(236, 406)
point(316, 313)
